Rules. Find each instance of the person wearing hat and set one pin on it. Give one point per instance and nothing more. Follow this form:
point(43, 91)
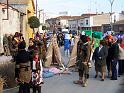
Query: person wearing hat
point(23, 68)
point(83, 54)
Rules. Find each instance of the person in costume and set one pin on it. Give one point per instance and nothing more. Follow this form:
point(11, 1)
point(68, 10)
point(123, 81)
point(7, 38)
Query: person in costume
point(37, 70)
point(23, 68)
point(83, 55)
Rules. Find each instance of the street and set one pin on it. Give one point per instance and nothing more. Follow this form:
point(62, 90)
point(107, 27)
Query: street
point(32, 30)
point(64, 84)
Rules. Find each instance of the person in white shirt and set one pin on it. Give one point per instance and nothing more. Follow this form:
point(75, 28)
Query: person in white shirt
point(37, 70)
point(67, 44)
point(72, 44)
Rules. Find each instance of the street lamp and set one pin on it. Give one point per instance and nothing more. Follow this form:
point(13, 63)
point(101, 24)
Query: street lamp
point(111, 4)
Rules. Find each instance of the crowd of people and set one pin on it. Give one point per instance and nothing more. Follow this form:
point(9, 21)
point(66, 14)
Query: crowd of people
point(28, 68)
point(108, 54)
point(30, 62)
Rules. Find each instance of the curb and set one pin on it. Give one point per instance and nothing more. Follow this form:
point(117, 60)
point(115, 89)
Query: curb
point(9, 89)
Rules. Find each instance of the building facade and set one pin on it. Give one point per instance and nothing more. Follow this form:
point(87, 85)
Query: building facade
point(27, 7)
point(9, 21)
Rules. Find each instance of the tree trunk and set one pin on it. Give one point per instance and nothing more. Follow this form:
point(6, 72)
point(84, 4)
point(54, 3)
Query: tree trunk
point(33, 35)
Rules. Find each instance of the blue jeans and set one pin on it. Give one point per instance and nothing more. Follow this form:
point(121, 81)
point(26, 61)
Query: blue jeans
point(114, 69)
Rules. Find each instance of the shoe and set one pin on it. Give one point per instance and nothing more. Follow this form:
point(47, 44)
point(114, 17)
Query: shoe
point(77, 82)
point(114, 79)
point(84, 85)
point(95, 76)
point(102, 79)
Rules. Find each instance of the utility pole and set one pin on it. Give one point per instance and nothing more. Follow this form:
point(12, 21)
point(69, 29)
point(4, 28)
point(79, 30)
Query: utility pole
point(111, 4)
point(40, 14)
point(36, 8)
point(39, 19)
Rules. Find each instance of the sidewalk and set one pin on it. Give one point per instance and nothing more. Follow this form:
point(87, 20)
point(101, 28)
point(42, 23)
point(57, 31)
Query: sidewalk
point(11, 90)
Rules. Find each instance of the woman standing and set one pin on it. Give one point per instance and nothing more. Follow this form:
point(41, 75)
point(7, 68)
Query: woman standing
point(121, 58)
point(99, 56)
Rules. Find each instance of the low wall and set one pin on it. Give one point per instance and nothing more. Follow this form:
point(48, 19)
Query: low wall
point(7, 71)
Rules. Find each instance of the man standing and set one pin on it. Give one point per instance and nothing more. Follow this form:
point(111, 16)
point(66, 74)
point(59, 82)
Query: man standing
point(23, 68)
point(83, 54)
point(114, 56)
point(67, 39)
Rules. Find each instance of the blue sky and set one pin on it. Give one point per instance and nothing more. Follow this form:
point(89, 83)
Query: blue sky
point(77, 7)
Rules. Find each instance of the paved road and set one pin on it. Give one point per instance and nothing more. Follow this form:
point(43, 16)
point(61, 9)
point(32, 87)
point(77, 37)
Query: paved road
point(64, 84)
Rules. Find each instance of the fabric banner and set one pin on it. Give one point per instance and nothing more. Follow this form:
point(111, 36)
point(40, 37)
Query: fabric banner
point(49, 56)
point(56, 50)
point(53, 47)
point(73, 56)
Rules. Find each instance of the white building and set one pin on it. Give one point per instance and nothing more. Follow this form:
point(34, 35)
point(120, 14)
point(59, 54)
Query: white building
point(75, 23)
point(59, 23)
point(10, 22)
point(91, 21)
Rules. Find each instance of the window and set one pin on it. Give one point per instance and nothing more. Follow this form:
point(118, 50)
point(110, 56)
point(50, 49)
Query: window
point(86, 22)
point(59, 23)
point(81, 24)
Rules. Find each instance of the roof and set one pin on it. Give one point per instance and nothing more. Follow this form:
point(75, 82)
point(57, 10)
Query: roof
point(19, 4)
point(88, 14)
point(10, 7)
point(15, 1)
point(68, 17)
point(120, 22)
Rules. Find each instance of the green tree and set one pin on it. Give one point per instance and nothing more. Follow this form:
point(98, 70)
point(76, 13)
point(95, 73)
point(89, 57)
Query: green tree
point(34, 22)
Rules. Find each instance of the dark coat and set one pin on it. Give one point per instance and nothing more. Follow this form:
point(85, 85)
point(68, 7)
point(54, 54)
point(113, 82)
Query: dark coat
point(103, 54)
point(22, 57)
point(114, 51)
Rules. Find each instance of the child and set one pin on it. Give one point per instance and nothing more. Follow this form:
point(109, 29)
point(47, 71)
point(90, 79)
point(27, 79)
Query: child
point(37, 69)
point(72, 44)
point(67, 45)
